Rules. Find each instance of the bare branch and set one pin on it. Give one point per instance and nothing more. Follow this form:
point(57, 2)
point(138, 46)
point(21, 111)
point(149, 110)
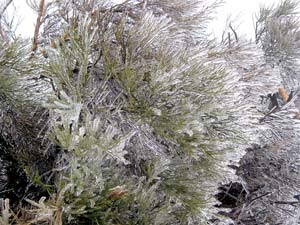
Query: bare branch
point(37, 26)
point(5, 8)
point(234, 32)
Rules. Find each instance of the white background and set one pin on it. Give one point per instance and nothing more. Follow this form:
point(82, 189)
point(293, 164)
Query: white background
point(241, 11)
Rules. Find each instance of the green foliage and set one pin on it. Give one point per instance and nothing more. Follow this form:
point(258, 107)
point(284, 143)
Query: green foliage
point(277, 29)
point(137, 118)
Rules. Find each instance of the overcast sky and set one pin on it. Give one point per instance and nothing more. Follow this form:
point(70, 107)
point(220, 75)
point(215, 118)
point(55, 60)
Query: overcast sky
point(241, 10)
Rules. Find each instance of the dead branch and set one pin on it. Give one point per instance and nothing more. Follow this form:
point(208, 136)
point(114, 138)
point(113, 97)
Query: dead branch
point(5, 8)
point(37, 26)
point(258, 34)
point(258, 197)
point(234, 32)
point(293, 203)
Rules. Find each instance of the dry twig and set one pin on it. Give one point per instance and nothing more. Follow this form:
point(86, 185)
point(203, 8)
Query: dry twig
point(37, 26)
